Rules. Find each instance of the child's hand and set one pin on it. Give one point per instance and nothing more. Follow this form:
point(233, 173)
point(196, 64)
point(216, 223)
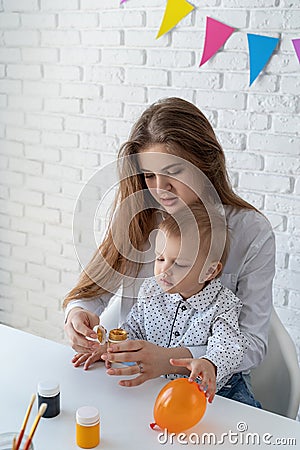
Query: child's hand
point(88, 358)
point(202, 368)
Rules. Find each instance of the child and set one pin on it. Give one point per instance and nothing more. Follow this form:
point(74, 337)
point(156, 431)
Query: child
point(186, 304)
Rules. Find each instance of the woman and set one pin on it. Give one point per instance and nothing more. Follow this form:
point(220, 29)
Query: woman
point(168, 139)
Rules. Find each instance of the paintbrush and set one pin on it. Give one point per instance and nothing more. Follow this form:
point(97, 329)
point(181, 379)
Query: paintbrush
point(14, 444)
point(40, 413)
point(21, 434)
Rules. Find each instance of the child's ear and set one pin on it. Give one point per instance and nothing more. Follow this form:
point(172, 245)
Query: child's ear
point(213, 271)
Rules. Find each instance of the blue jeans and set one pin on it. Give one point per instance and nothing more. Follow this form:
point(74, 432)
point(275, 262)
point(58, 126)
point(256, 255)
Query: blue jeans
point(236, 389)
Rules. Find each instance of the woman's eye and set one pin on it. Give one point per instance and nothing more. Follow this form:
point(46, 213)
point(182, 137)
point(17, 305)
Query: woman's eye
point(148, 175)
point(181, 266)
point(159, 259)
point(174, 173)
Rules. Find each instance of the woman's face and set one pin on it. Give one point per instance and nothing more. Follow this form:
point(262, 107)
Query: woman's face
point(169, 178)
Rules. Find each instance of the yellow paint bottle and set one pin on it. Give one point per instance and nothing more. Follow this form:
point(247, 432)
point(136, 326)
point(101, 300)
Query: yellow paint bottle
point(87, 427)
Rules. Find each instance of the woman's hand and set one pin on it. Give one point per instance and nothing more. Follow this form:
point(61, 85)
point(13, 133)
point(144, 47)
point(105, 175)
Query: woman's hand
point(78, 326)
point(88, 358)
point(202, 368)
point(151, 360)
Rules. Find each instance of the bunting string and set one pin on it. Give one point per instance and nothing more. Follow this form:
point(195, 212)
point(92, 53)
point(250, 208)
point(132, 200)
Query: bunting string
point(260, 47)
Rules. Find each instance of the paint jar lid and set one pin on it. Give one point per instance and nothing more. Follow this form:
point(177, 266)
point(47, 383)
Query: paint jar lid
point(87, 415)
point(117, 334)
point(101, 333)
point(48, 388)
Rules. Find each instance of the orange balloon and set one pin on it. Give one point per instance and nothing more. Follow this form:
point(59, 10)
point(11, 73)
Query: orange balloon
point(179, 405)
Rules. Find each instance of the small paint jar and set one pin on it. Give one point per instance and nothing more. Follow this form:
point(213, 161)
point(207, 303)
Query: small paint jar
point(48, 392)
point(87, 427)
point(115, 336)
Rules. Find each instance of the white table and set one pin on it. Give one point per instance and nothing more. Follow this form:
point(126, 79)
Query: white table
point(125, 413)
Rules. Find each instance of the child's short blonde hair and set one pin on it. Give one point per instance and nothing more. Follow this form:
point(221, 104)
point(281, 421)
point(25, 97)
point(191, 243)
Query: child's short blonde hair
point(211, 226)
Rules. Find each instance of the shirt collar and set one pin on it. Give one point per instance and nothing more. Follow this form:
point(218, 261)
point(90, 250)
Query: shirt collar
point(203, 298)
point(200, 300)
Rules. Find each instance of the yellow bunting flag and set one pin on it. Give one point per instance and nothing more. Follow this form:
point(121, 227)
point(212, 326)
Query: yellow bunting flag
point(175, 11)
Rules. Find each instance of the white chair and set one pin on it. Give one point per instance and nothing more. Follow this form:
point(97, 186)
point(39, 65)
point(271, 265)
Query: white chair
point(276, 382)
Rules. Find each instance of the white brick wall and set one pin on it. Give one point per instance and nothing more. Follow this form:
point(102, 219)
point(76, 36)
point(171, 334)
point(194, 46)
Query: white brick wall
point(74, 75)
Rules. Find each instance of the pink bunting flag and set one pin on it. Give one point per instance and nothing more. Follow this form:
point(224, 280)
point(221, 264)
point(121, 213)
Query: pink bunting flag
point(296, 44)
point(216, 35)
point(122, 1)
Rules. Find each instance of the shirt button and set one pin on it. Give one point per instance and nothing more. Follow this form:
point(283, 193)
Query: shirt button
point(177, 333)
point(183, 308)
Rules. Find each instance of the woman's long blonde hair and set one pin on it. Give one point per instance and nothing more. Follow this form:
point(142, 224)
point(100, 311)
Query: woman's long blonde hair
point(184, 130)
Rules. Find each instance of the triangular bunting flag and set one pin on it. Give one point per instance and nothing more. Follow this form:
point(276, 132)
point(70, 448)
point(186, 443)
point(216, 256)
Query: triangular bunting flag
point(216, 35)
point(175, 11)
point(260, 51)
point(296, 44)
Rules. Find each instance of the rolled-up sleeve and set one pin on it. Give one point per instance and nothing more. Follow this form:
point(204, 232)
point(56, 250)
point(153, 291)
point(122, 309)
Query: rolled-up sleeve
point(96, 305)
point(255, 289)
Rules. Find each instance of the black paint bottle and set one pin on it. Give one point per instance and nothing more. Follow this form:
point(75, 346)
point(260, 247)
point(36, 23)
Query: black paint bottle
point(48, 392)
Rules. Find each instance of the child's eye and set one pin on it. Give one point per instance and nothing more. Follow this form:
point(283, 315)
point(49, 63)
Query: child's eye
point(180, 265)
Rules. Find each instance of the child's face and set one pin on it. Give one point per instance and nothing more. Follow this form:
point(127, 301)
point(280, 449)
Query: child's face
point(178, 265)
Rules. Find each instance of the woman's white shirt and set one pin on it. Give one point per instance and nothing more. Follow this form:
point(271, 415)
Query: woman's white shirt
point(248, 272)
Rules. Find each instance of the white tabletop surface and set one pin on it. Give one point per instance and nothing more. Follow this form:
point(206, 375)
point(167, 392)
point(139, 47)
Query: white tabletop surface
point(125, 413)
